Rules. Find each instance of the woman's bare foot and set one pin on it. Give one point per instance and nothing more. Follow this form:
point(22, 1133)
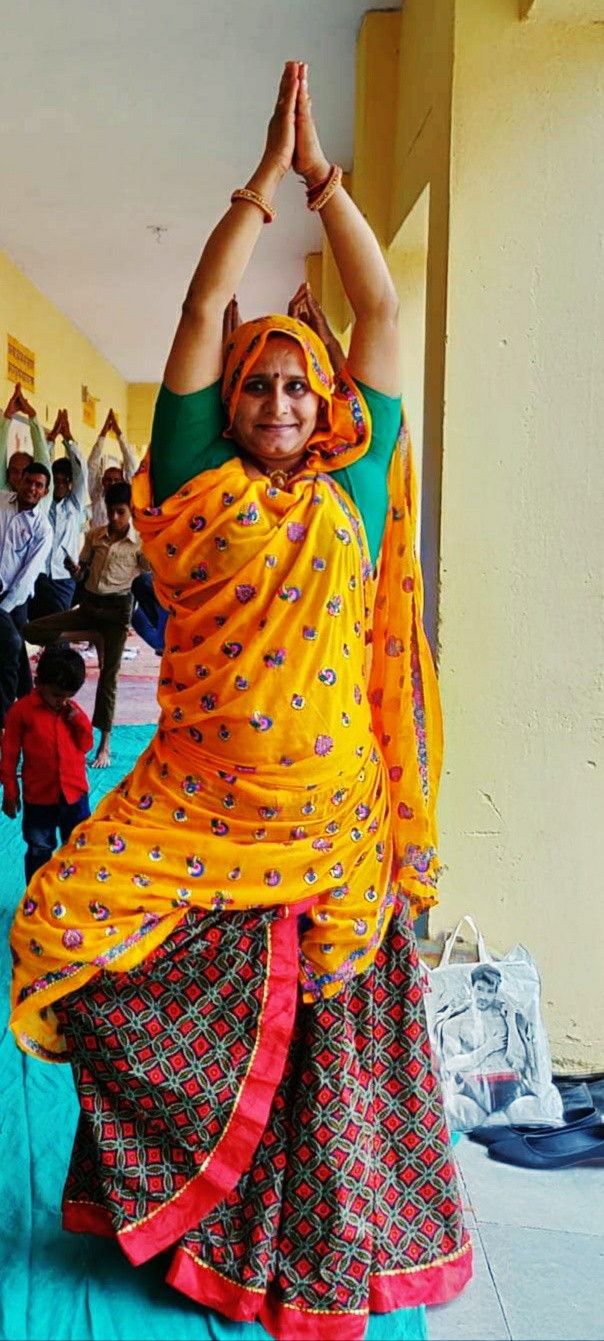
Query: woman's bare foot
point(102, 758)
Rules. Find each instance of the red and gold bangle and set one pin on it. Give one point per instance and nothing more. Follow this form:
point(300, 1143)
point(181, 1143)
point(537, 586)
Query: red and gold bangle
point(246, 194)
point(317, 202)
point(313, 192)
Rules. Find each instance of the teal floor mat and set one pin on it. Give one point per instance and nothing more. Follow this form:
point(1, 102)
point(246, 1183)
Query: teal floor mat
point(76, 1287)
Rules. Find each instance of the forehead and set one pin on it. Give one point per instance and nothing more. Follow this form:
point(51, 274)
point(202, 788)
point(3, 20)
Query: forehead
point(19, 459)
point(280, 355)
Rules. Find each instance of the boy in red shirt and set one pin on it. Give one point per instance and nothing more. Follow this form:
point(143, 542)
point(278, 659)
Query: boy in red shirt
point(53, 735)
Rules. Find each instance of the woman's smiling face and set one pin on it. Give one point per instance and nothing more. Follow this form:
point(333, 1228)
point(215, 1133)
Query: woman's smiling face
point(277, 410)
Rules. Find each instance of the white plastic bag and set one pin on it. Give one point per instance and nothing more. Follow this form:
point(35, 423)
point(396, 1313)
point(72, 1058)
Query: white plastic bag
point(488, 1037)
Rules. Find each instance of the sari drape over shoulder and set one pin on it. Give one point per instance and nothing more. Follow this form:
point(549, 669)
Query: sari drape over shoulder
point(299, 748)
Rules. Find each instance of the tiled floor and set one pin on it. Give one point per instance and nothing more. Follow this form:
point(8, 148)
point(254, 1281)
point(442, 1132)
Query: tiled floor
point(539, 1250)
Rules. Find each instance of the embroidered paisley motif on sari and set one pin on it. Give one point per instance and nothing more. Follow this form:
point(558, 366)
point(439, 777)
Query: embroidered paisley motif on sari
point(299, 747)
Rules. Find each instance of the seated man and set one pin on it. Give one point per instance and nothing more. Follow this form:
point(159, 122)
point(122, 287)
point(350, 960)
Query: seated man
point(25, 542)
point(66, 514)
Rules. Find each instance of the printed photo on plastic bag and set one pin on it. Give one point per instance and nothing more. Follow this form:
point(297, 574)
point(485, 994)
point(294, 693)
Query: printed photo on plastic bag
point(489, 1040)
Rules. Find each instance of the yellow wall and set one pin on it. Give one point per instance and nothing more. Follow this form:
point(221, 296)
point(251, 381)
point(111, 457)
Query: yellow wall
point(65, 360)
point(408, 262)
point(400, 180)
point(141, 404)
point(562, 11)
point(521, 527)
point(421, 164)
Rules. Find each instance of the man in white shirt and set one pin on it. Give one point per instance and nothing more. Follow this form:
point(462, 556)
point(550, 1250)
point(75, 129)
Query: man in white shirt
point(67, 516)
point(25, 543)
point(100, 477)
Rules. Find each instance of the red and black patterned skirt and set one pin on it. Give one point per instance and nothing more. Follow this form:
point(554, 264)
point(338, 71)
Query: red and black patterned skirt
point(294, 1157)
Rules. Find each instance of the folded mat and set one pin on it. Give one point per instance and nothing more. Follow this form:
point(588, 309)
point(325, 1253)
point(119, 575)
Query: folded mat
point(76, 1287)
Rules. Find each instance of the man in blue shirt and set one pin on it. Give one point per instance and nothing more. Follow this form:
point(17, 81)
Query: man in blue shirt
point(67, 516)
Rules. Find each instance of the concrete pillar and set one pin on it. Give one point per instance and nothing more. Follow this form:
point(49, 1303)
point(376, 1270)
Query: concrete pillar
point(523, 491)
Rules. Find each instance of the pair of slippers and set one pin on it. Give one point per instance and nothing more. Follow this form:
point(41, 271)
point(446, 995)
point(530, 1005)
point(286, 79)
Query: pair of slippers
point(580, 1140)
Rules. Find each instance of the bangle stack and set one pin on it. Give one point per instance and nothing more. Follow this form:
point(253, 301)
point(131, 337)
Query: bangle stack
point(250, 197)
point(317, 196)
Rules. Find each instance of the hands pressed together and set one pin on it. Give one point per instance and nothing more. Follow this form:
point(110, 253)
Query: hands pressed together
point(304, 307)
point(292, 140)
point(60, 428)
point(18, 404)
point(111, 426)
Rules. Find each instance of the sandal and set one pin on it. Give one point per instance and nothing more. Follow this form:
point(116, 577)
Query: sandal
point(578, 1117)
point(553, 1150)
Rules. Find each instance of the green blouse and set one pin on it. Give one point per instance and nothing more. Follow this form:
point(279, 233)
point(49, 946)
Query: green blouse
point(187, 438)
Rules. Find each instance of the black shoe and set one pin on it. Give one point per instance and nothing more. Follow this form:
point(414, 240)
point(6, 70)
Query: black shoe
point(489, 1134)
point(552, 1150)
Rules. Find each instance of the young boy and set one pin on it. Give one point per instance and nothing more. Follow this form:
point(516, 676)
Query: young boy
point(110, 560)
point(52, 735)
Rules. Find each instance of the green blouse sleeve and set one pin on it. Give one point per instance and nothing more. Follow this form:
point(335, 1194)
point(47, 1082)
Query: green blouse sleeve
point(367, 480)
point(186, 438)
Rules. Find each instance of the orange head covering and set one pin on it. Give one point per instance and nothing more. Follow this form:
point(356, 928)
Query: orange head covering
point(344, 431)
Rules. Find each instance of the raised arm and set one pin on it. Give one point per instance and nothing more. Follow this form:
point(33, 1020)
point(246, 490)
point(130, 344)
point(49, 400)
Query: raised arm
point(95, 469)
point(40, 442)
point(374, 355)
point(78, 467)
point(129, 457)
point(195, 360)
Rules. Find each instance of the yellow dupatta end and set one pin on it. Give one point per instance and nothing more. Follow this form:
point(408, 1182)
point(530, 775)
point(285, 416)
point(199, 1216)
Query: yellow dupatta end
point(403, 690)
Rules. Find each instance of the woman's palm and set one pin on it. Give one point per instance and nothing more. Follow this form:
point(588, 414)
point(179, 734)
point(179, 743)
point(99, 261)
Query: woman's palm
point(307, 153)
point(281, 137)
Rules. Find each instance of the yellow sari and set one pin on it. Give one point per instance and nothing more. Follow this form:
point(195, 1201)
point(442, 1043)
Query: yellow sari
point(299, 747)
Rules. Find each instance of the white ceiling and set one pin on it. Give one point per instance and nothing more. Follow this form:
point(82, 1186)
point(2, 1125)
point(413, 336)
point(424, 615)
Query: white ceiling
point(119, 114)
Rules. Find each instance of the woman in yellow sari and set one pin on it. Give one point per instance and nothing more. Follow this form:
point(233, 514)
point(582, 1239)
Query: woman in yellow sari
point(223, 952)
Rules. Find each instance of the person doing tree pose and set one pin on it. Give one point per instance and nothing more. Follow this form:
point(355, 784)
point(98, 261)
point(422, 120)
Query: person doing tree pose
point(235, 979)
